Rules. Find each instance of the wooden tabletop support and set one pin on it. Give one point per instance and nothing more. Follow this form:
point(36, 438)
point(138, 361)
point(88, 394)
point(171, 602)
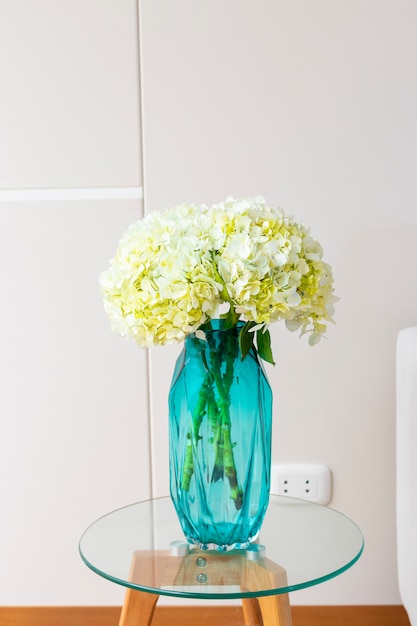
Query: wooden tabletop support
point(162, 569)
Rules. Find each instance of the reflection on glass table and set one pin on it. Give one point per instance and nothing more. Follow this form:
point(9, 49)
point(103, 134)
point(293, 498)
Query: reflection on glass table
point(141, 547)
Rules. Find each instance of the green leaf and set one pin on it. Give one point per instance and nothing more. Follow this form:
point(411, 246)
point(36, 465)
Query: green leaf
point(231, 319)
point(246, 339)
point(263, 340)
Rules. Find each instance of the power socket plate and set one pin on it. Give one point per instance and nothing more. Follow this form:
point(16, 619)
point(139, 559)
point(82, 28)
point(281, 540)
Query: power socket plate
point(306, 481)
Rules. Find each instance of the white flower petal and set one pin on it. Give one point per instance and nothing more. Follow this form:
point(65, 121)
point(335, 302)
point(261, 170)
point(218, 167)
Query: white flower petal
point(294, 299)
point(253, 329)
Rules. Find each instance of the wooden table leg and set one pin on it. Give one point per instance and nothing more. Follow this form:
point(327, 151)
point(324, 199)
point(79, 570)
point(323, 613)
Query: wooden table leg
point(157, 569)
point(273, 610)
point(138, 608)
point(267, 611)
point(147, 568)
point(251, 612)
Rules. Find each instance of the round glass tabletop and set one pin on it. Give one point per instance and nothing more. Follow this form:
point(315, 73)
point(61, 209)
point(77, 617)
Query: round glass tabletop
point(300, 544)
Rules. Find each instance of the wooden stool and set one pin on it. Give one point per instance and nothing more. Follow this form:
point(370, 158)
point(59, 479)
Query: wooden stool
point(248, 570)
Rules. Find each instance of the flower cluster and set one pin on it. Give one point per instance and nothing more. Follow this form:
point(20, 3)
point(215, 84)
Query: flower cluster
point(174, 269)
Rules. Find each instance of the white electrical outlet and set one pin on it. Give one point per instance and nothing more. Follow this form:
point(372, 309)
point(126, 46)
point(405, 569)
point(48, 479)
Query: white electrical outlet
point(308, 482)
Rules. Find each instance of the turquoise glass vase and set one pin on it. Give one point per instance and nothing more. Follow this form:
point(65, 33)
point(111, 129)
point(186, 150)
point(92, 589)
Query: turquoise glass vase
point(220, 412)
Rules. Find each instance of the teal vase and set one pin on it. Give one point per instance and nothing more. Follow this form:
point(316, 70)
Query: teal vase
point(220, 412)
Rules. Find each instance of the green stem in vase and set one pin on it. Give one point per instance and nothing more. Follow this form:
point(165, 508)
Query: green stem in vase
point(218, 414)
point(230, 468)
point(193, 436)
point(224, 465)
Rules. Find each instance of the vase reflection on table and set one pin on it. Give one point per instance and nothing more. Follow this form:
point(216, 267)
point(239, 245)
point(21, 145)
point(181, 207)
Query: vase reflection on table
point(216, 278)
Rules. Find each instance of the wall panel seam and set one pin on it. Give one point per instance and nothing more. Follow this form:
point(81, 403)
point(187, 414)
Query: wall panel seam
point(151, 434)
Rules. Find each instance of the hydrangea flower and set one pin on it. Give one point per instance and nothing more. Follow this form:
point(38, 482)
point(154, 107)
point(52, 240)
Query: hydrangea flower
point(174, 270)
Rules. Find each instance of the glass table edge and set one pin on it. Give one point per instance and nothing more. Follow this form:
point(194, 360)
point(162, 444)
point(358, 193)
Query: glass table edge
point(220, 596)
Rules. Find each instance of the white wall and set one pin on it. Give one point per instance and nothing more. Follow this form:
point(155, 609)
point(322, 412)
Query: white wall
point(73, 428)
point(311, 104)
point(73, 396)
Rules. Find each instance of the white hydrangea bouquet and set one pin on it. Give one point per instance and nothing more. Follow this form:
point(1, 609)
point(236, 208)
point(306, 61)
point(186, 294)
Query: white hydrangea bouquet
point(176, 270)
point(182, 275)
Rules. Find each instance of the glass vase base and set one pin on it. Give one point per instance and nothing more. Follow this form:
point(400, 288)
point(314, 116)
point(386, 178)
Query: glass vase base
point(224, 541)
point(224, 547)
